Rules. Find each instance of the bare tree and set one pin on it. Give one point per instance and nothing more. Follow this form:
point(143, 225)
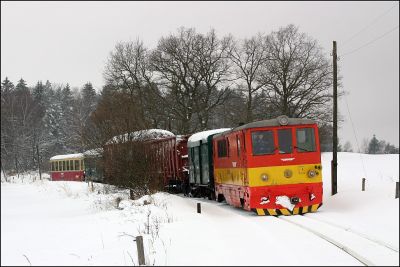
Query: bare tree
point(128, 69)
point(298, 76)
point(192, 68)
point(249, 57)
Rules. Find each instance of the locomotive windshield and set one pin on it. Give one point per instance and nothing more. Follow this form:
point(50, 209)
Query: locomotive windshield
point(285, 141)
point(305, 140)
point(263, 142)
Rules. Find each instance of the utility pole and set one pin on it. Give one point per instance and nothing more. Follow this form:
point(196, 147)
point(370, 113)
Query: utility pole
point(334, 160)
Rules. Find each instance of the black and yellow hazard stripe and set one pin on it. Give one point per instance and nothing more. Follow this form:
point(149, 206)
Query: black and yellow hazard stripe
point(277, 212)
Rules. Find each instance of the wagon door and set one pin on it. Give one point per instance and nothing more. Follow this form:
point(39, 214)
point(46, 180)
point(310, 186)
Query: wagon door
point(205, 168)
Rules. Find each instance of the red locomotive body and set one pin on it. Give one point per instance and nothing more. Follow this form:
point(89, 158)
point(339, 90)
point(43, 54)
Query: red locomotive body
point(272, 167)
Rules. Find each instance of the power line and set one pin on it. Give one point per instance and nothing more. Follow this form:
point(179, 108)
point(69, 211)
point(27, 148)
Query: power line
point(375, 20)
point(355, 135)
point(370, 42)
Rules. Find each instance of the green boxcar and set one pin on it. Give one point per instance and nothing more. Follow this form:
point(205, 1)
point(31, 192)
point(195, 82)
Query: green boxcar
point(201, 171)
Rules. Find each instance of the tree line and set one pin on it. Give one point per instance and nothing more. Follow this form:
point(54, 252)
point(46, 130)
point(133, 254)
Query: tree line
point(42, 121)
point(189, 82)
point(193, 82)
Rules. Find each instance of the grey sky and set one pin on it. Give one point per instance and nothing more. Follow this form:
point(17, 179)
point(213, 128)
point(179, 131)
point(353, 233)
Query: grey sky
point(70, 42)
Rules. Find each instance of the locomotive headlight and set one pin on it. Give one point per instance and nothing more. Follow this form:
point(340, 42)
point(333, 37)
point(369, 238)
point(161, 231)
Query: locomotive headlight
point(264, 177)
point(288, 173)
point(312, 173)
point(283, 120)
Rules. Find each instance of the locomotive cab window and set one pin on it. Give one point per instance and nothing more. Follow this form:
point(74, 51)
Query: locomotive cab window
point(305, 140)
point(222, 148)
point(263, 142)
point(285, 141)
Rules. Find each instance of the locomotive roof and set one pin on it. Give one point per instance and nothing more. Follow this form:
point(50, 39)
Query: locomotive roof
point(141, 135)
point(271, 123)
point(194, 140)
point(67, 156)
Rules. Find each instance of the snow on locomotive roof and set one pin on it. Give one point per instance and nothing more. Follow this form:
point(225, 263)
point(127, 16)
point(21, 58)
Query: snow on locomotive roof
point(195, 139)
point(141, 135)
point(272, 122)
point(67, 156)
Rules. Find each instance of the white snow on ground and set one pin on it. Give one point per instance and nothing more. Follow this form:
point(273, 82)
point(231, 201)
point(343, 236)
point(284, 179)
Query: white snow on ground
point(65, 223)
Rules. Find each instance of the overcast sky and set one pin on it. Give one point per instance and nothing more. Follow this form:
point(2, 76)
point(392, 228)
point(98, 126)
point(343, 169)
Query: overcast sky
point(69, 42)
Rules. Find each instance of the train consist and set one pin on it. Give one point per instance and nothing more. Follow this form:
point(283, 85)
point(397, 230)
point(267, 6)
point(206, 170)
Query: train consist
point(271, 167)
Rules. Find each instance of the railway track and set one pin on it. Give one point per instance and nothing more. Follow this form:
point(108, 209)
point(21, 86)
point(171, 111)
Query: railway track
point(366, 250)
point(373, 239)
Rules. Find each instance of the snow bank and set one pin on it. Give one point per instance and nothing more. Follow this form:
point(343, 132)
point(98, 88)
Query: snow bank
point(66, 223)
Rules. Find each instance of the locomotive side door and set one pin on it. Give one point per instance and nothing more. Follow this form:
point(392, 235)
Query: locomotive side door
point(242, 162)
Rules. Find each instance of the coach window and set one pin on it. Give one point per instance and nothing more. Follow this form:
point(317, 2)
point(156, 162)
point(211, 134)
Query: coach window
point(71, 165)
point(68, 165)
point(77, 165)
point(285, 141)
point(263, 142)
point(222, 148)
point(305, 140)
point(64, 165)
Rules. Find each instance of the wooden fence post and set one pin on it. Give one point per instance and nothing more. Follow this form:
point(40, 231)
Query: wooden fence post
point(363, 184)
point(140, 249)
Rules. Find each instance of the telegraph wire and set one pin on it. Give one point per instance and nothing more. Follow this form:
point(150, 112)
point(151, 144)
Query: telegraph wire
point(370, 42)
point(375, 20)
point(355, 135)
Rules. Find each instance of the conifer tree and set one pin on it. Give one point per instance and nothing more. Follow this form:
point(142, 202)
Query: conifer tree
point(373, 146)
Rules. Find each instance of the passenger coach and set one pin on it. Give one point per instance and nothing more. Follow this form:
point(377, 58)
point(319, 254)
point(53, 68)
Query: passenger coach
point(67, 167)
point(272, 167)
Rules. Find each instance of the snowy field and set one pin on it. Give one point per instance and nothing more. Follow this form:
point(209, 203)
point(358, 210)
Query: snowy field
point(68, 223)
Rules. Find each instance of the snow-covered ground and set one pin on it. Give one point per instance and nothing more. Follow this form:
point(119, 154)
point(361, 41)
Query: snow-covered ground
point(68, 223)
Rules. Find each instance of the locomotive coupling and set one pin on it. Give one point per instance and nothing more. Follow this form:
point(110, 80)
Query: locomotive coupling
point(294, 200)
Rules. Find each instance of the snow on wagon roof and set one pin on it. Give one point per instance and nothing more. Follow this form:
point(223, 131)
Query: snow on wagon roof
point(93, 152)
point(141, 135)
point(67, 156)
point(195, 139)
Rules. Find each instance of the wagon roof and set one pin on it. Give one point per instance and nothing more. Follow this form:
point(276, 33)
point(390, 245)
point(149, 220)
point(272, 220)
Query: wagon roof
point(270, 123)
point(93, 152)
point(67, 156)
point(195, 139)
point(141, 135)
